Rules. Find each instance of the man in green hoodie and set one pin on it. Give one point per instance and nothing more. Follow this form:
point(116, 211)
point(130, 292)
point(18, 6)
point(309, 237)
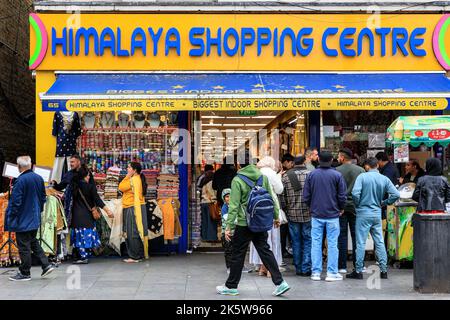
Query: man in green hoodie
point(240, 192)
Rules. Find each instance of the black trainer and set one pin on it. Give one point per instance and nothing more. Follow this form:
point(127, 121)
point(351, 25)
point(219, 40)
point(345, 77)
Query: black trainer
point(354, 275)
point(49, 269)
point(383, 275)
point(304, 274)
point(20, 277)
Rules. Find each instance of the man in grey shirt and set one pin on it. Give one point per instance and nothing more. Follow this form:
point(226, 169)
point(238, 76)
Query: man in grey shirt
point(350, 173)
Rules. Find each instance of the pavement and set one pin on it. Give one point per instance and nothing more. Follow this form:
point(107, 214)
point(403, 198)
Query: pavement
point(194, 277)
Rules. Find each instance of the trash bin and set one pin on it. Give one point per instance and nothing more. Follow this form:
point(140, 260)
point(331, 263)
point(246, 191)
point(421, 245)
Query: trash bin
point(431, 253)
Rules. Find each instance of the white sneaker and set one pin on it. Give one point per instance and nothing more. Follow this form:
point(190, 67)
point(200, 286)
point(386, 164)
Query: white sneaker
point(364, 270)
point(315, 277)
point(344, 271)
point(334, 277)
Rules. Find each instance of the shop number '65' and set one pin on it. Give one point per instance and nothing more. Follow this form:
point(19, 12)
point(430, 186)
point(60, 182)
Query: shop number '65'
point(246, 309)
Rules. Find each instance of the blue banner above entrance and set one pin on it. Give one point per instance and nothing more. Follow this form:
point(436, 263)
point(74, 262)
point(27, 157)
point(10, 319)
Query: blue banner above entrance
point(287, 91)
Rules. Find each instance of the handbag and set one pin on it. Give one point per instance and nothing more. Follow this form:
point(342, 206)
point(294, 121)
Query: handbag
point(215, 211)
point(96, 214)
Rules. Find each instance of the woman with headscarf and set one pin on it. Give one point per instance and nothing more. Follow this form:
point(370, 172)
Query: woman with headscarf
point(432, 190)
point(84, 236)
point(268, 167)
point(135, 227)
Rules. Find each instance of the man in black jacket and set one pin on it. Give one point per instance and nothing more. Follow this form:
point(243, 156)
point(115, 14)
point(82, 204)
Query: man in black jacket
point(222, 179)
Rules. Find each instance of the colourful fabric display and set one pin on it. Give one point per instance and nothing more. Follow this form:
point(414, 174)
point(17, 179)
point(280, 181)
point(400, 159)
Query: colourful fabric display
point(9, 255)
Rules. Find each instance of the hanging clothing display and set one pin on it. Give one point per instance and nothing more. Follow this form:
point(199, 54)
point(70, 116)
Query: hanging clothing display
point(59, 165)
point(89, 120)
point(116, 225)
point(196, 214)
point(9, 253)
point(66, 129)
point(154, 220)
point(107, 119)
point(170, 208)
point(53, 222)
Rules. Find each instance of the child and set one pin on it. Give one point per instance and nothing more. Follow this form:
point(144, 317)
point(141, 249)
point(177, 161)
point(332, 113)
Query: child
point(227, 245)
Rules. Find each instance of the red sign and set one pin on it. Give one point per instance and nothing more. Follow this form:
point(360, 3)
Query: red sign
point(439, 134)
point(419, 133)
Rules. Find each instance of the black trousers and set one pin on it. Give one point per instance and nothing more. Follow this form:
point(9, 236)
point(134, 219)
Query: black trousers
point(27, 243)
point(284, 235)
point(348, 219)
point(228, 251)
point(241, 240)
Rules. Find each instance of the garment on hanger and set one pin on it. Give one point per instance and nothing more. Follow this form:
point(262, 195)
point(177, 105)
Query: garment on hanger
point(154, 219)
point(116, 224)
point(66, 129)
point(58, 168)
point(168, 215)
point(154, 120)
point(53, 221)
point(107, 119)
point(89, 119)
point(139, 119)
point(124, 120)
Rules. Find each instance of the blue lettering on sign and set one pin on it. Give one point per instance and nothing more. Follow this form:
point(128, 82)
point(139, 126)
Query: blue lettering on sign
point(203, 41)
point(346, 42)
point(328, 32)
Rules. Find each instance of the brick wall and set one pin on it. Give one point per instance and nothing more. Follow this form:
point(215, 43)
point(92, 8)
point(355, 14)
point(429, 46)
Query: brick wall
point(15, 80)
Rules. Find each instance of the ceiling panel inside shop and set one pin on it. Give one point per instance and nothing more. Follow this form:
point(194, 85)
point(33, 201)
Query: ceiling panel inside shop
point(232, 120)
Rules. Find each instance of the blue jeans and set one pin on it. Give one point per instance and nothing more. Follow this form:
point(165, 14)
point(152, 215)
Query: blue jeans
point(301, 245)
point(364, 225)
point(332, 228)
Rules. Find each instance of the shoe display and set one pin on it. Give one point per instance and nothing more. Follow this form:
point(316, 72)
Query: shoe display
point(280, 289)
point(334, 277)
point(355, 275)
point(223, 290)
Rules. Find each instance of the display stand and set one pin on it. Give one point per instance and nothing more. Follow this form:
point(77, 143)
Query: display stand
point(10, 240)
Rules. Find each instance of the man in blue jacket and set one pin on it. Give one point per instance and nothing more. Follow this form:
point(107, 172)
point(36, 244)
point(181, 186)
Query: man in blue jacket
point(23, 217)
point(368, 195)
point(325, 193)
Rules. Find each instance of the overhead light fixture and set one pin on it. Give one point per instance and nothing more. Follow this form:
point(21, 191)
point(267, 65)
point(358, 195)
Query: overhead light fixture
point(212, 117)
point(254, 125)
point(292, 121)
point(211, 124)
point(264, 117)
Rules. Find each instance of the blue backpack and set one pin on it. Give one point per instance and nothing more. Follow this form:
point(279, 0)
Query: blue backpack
point(260, 206)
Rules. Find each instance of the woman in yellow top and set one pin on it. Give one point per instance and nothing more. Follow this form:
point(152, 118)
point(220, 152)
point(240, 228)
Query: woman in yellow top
point(135, 227)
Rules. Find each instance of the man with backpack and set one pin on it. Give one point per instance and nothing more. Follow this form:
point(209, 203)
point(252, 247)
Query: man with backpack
point(252, 211)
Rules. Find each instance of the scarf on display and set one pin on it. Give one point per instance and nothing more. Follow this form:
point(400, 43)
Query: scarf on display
point(136, 187)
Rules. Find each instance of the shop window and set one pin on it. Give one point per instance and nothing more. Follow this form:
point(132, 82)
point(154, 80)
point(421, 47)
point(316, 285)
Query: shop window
point(361, 131)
